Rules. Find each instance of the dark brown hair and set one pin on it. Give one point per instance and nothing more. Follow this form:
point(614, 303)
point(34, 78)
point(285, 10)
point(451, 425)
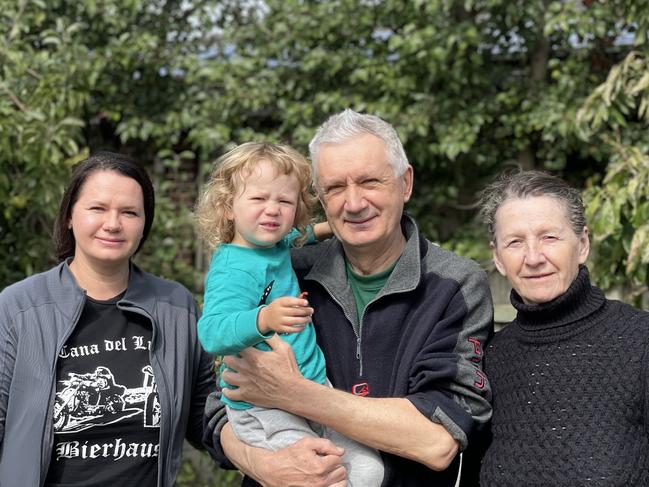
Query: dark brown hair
point(64, 242)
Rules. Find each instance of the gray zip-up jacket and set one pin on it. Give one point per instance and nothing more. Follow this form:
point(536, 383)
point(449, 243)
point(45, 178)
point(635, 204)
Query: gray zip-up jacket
point(38, 314)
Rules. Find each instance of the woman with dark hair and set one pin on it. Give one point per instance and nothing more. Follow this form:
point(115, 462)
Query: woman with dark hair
point(102, 375)
point(570, 375)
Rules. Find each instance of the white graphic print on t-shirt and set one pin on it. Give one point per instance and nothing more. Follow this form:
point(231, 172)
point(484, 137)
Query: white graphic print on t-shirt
point(106, 411)
point(94, 399)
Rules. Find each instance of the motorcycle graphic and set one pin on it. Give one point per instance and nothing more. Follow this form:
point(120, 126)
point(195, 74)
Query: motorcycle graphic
point(87, 395)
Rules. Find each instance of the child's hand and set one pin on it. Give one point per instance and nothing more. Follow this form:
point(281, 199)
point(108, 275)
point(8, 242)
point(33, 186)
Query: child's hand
point(284, 315)
point(322, 231)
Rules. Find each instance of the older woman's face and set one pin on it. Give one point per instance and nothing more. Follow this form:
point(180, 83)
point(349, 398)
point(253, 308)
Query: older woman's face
point(536, 248)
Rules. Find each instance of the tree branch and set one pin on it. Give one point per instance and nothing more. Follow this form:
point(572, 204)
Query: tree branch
point(24, 108)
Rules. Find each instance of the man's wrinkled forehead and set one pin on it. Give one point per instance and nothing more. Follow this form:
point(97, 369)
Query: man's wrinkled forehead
point(350, 151)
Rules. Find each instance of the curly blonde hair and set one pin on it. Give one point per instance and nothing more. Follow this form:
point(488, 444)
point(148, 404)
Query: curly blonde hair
point(228, 179)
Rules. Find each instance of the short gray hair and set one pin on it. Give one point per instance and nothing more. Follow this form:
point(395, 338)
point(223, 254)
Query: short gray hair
point(347, 124)
point(524, 184)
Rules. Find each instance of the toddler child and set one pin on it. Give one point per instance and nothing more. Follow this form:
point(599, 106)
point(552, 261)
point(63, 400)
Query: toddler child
point(255, 206)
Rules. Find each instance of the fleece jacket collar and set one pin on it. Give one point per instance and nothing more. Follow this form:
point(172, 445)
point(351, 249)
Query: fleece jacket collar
point(330, 271)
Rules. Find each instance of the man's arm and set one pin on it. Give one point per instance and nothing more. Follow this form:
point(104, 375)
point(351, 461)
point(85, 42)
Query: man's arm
point(392, 425)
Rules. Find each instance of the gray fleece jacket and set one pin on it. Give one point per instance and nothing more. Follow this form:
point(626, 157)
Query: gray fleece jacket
point(38, 314)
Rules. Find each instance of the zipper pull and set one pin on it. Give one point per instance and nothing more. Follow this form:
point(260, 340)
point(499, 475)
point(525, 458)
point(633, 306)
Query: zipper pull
point(358, 348)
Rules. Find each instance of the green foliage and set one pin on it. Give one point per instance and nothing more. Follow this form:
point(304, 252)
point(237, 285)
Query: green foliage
point(616, 116)
point(619, 214)
point(472, 86)
point(196, 471)
point(86, 75)
point(40, 70)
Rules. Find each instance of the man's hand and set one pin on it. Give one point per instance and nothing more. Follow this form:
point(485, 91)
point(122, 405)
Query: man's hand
point(284, 315)
point(391, 424)
point(308, 462)
point(261, 376)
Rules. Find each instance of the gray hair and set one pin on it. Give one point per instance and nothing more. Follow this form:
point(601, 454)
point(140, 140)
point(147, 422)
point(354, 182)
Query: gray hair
point(347, 124)
point(524, 184)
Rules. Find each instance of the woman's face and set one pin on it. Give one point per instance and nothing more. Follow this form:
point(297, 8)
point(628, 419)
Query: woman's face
point(536, 248)
point(107, 219)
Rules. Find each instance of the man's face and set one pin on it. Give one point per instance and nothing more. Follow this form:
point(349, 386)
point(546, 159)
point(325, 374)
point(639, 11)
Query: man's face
point(361, 194)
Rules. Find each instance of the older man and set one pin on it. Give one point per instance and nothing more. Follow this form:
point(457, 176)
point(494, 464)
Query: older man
point(401, 323)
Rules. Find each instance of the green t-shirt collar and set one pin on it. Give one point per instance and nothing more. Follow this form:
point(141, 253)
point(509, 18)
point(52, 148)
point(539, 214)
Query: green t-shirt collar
point(365, 288)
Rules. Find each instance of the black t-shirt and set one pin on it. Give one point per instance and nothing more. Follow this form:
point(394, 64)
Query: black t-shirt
point(106, 412)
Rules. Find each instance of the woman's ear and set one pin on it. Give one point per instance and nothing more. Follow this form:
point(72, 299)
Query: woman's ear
point(584, 246)
point(496, 259)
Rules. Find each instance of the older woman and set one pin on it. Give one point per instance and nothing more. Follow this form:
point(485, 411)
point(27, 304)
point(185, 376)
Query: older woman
point(102, 375)
point(570, 375)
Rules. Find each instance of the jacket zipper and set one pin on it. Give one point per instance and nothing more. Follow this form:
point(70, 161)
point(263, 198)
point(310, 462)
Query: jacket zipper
point(49, 424)
point(359, 352)
point(161, 382)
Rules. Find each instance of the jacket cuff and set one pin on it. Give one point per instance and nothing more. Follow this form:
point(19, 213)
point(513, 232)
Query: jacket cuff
point(215, 419)
point(442, 409)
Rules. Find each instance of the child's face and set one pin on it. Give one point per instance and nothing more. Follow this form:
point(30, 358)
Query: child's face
point(264, 211)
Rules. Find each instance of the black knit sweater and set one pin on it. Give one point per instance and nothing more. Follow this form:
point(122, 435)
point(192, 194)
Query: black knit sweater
point(570, 384)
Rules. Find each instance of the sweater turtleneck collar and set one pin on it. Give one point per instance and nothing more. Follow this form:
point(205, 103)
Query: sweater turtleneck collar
point(578, 302)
